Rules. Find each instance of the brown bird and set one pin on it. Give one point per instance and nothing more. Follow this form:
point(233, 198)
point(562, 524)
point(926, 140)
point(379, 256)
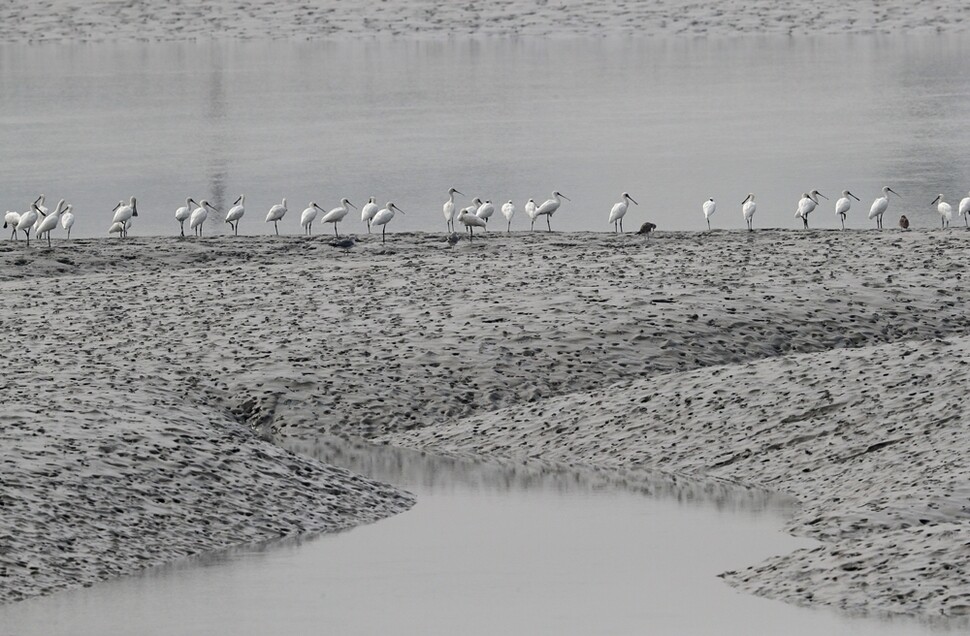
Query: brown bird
point(904, 222)
point(647, 228)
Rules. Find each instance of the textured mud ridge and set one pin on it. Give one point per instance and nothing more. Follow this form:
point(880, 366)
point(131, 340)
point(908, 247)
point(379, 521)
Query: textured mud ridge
point(100, 20)
point(139, 368)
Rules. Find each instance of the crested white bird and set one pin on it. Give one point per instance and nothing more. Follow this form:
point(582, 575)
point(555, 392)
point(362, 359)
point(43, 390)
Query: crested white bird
point(50, 222)
point(880, 205)
point(11, 219)
point(619, 211)
point(945, 210)
point(485, 210)
point(508, 211)
point(123, 212)
point(308, 216)
point(448, 208)
point(275, 214)
point(235, 214)
point(39, 202)
point(807, 204)
point(384, 216)
point(471, 221)
point(550, 206)
point(368, 211)
point(709, 207)
point(183, 213)
point(965, 209)
point(748, 208)
point(843, 204)
point(199, 215)
point(530, 210)
point(27, 220)
point(67, 219)
point(337, 214)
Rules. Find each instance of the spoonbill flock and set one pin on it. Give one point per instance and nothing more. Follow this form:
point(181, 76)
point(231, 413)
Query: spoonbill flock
point(41, 222)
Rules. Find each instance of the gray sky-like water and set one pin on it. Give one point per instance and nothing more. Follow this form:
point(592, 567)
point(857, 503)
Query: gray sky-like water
point(672, 121)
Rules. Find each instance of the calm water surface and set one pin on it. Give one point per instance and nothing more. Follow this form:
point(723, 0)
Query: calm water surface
point(673, 121)
point(488, 549)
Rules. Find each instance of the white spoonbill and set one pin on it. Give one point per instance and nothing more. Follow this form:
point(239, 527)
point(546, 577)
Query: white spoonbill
point(807, 205)
point(119, 228)
point(27, 220)
point(275, 214)
point(619, 211)
point(945, 210)
point(471, 221)
point(842, 205)
point(337, 214)
point(530, 210)
point(709, 209)
point(50, 222)
point(485, 210)
point(748, 208)
point(965, 209)
point(183, 213)
point(123, 213)
point(508, 211)
point(235, 214)
point(67, 219)
point(308, 216)
point(550, 206)
point(880, 205)
point(199, 215)
point(11, 219)
point(448, 209)
point(384, 216)
point(368, 211)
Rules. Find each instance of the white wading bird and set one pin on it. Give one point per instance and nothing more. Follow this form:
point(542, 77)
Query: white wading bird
point(308, 216)
point(807, 205)
point(275, 214)
point(485, 210)
point(199, 215)
point(748, 208)
point(508, 211)
point(709, 209)
point(235, 214)
point(123, 213)
point(11, 219)
point(337, 214)
point(945, 210)
point(183, 213)
point(550, 206)
point(50, 222)
point(965, 209)
point(619, 211)
point(368, 211)
point(448, 208)
point(471, 221)
point(842, 205)
point(384, 216)
point(530, 211)
point(880, 205)
point(67, 219)
point(27, 220)
point(121, 229)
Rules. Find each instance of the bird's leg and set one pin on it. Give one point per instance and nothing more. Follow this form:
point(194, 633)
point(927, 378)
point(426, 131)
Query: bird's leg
point(510, 228)
point(383, 232)
point(621, 225)
point(277, 227)
point(335, 230)
point(549, 222)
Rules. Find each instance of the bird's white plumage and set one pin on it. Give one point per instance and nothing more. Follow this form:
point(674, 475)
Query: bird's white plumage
point(619, 210)
point(11, 219)
point(309, 215)
point(237, 211)
point(368, 211)
point(964, 208)
point(49, 222)
point(945, 210)
point(67, 219)
point(124, 213)
point(748, 208)
point(448, 209)
point(508, 211)
point(485, 210)
point(199, 215)
point(468, 219)
point(709, 207)
point(338, 213)
point(880, 205)
point(549, 207)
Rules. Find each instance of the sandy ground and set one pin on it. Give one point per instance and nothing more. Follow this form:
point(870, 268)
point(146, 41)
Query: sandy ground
point(116, 20)
point(828, 365)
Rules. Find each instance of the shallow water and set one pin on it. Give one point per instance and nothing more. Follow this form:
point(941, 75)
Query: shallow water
point(489, 548)
point(672, 121)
